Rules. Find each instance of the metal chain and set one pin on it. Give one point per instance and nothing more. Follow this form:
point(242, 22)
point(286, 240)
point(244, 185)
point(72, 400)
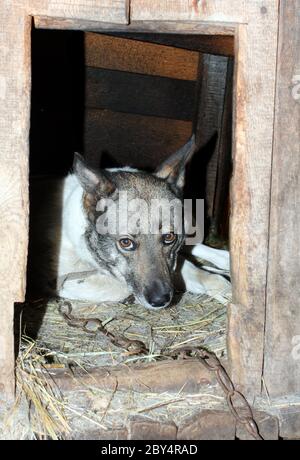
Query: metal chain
point(236, 401)
point(94, 325)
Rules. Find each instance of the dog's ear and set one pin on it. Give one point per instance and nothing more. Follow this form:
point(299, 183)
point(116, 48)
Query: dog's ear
point(173, 168)
point(91, 180)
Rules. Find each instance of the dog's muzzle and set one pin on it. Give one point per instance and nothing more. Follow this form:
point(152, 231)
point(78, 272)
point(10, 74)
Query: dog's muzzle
point(158, 294)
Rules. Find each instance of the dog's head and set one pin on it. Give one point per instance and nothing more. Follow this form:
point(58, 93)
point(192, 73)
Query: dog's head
point(131, 230)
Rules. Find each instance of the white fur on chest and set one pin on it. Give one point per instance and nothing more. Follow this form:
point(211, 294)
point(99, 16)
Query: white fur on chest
point(75, 257)
point(74, 254)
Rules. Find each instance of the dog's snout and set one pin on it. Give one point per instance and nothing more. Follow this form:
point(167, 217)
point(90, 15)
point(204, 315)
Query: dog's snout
point(158, 294)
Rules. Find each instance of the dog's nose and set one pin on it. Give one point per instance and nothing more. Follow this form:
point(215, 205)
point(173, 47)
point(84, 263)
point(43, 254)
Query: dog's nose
point(158, 294)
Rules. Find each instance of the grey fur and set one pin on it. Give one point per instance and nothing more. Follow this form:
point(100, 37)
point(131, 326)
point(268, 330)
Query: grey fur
point(148, 271)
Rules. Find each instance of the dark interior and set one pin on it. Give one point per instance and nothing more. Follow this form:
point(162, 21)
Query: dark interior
point(89, 95)
point(130, 100)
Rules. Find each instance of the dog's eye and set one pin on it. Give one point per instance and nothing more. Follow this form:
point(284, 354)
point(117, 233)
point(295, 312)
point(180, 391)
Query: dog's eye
point(127, 244)
point(169, 238)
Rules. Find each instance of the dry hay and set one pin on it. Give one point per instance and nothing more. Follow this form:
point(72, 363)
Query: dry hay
point(48, 343)
point(194, 320)
point(49, 414)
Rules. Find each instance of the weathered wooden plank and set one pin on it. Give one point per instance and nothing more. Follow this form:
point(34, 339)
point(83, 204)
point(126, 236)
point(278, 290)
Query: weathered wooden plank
point(179, 27)
point(139, 57)
point(168, 10)
point(211, 44)
point(94, 434)
point(210, 113)
point(250, 191)
point(141, 94)
point(14, 131)
point(132, 140)
point(184, 376)
point(282, 342)
point(143, 428)
point(268, 427)
point(221, 209)
point(112, 11)
point(289, 421)
point(208, 425)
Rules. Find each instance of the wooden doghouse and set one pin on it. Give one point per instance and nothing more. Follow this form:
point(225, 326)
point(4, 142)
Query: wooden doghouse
point(264, 318)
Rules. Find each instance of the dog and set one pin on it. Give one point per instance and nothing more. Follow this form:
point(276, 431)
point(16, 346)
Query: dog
point(71, 259)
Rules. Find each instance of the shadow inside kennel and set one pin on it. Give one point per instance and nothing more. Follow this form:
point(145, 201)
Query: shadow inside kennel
point(128, 100)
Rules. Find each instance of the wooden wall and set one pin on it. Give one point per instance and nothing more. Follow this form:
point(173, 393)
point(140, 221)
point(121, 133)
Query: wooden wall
point(263, 252)
point(282, 341)
point(133, 99)
point(140, 100)
point(146, 93)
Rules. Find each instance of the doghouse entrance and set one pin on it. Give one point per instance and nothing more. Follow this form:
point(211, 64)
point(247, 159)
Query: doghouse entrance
point(132, 100)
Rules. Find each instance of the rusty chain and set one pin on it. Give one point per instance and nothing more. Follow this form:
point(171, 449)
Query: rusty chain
point(236, 401)
point(93, 325)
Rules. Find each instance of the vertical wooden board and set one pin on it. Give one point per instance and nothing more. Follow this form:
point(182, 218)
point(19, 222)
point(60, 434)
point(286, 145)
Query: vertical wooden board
point(221, 197)
point(140, 57)
point(14, 131)
point(112, 11)
point(282, 345)
point(212, 10)
point(250, 191)
point(210, 111)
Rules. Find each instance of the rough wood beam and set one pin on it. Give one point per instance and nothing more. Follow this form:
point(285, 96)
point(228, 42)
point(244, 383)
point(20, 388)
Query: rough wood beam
point(112, 11)
point(250, 191)
point(190, 10)
point(282, 346)
point(178, 27)
point(14, 133)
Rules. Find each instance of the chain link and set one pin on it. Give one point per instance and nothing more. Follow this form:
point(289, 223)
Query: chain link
point(236, 401)
point(94, 325)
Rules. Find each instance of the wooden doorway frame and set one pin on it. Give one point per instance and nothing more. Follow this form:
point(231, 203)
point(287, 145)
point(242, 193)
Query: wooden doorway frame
point(252, 24)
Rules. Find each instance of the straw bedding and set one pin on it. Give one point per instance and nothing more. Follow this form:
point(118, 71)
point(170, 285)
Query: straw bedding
point(48, 343)
point(194, 320)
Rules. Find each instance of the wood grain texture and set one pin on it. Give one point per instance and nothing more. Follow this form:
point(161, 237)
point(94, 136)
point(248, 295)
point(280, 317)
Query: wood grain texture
point(132, 140)
point(268, 427)
point(282, 345)
point(250, 191)
point(221, 209)
point(254, 106)
point(14, 131)
point(143, 428)
point(141, 94)
point(178, 27)
point(208, 425)
point(185, 376)
point(139, 57)
point(289, 419)
point(212, 44)
point(113, 11)
point(204, 10)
